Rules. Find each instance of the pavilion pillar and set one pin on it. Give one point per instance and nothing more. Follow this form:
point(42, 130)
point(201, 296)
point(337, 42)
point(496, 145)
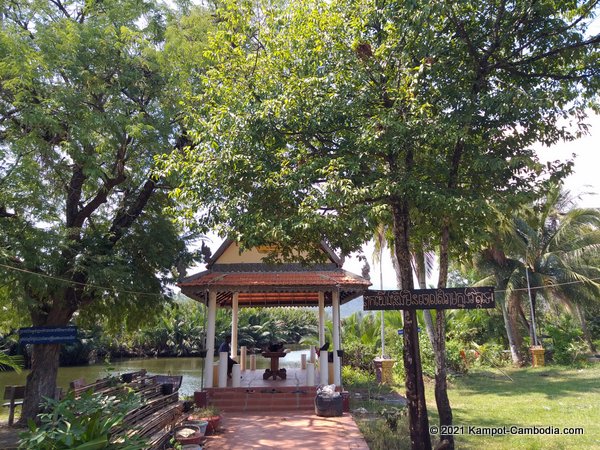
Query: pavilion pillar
point(210, 338)
point(321, 319)
point(234, 326)
point(335, 306)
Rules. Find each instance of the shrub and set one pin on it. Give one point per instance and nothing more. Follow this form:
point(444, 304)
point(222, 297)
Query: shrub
point(359, 356)
point(354, 377)
point(566, 345)
point(392, 415)
point(82, 423)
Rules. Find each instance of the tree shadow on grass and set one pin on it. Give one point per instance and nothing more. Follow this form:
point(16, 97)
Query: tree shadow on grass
point(552, 382)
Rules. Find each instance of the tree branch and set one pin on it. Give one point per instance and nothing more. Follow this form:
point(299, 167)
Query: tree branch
point(126, 216)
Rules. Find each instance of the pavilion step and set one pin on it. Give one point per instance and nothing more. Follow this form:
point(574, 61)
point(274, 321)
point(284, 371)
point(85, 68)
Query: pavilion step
point(260, 399)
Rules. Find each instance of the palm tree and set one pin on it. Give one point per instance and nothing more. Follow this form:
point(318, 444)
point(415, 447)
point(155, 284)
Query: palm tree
point(10, 362)
point(545, 251)
point(557, 244)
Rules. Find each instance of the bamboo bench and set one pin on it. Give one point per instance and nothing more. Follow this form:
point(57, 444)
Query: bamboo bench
point(158, 414)
point(154, 420)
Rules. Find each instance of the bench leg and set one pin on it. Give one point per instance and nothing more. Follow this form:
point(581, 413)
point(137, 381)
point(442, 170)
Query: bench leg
point(11, 413)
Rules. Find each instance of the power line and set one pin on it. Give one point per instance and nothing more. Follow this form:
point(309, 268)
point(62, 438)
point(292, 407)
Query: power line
point(77, 283)
point(554, 285)
point(125, 291)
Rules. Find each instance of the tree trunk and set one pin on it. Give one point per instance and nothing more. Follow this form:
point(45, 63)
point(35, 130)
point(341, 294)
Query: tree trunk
point(419, 258)
point(586, 332)
point(415, 390)
point(41, 381)
point(510, 334)
point(441, 384)
point(514, 314)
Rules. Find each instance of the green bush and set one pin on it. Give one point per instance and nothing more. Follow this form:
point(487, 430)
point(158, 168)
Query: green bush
point(82, 423)
point(456, 356)
point(354, 377)
point(359, 356)
point(565, 343)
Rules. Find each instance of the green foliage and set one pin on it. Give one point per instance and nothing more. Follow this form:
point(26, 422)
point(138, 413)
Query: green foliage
point(85, 109)
point(378, 435)
point(477, 325)
point(357, 378)
point(258, 327)
point(10, 362)
point(456, 359)
point(82, 423)
point(565, 343)
point(392, 415)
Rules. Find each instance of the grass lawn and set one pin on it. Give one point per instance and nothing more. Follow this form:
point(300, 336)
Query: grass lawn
point(542, 397)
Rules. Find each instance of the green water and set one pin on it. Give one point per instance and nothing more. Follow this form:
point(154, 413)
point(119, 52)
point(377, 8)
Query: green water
point(190, 368)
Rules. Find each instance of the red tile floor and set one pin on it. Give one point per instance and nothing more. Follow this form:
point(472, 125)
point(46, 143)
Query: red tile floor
point(290, 430)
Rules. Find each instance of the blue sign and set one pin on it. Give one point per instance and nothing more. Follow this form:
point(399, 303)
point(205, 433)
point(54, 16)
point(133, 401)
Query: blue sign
point(48, 335)
point(401, 331)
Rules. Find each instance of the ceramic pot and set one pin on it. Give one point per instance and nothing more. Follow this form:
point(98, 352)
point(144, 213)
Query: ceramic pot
point(188, 434)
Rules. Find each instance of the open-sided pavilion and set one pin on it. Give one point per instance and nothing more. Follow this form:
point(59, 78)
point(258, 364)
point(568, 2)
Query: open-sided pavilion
point(241, 278)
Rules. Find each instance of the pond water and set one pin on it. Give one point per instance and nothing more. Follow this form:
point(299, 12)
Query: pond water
point(190, 368)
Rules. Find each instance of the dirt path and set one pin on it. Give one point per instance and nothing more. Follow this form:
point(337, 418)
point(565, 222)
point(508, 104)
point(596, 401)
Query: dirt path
point(9, 436)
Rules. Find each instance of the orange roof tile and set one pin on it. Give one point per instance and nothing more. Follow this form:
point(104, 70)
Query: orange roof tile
point(339, 278)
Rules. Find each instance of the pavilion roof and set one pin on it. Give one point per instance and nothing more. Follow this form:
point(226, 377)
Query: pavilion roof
point(275, 288)
point(259, 283)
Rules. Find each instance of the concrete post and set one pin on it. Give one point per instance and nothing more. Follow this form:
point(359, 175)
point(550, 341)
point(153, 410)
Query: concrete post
point(310, 374)
point(321, 319)
point(335, 306)
point(235, 376)
point(234, 326)
point(223, 356)
point(323, 368)
point(210, 338)
point(243, 357)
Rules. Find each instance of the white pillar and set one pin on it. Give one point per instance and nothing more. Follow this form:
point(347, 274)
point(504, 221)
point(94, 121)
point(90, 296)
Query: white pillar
point(223, 356)
point(235, 375)
point(310, 374)
point(234, 326)
point(323, 369)
point(321, 319)
point(210, 338)
point(243, 356)
point(335, 306)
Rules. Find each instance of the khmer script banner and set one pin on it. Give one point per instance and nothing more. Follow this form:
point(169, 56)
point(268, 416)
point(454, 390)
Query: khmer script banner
point(449, 298)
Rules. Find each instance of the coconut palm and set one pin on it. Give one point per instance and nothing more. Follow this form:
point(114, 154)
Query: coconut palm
point(550, 244)
point(10, 362)
point(558, 243)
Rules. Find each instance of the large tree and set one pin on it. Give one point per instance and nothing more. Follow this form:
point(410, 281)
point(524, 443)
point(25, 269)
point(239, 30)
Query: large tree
point(324, 116)
point(84, 109)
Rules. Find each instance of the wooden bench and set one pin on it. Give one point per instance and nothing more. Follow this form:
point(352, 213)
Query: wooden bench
point(15, 396)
